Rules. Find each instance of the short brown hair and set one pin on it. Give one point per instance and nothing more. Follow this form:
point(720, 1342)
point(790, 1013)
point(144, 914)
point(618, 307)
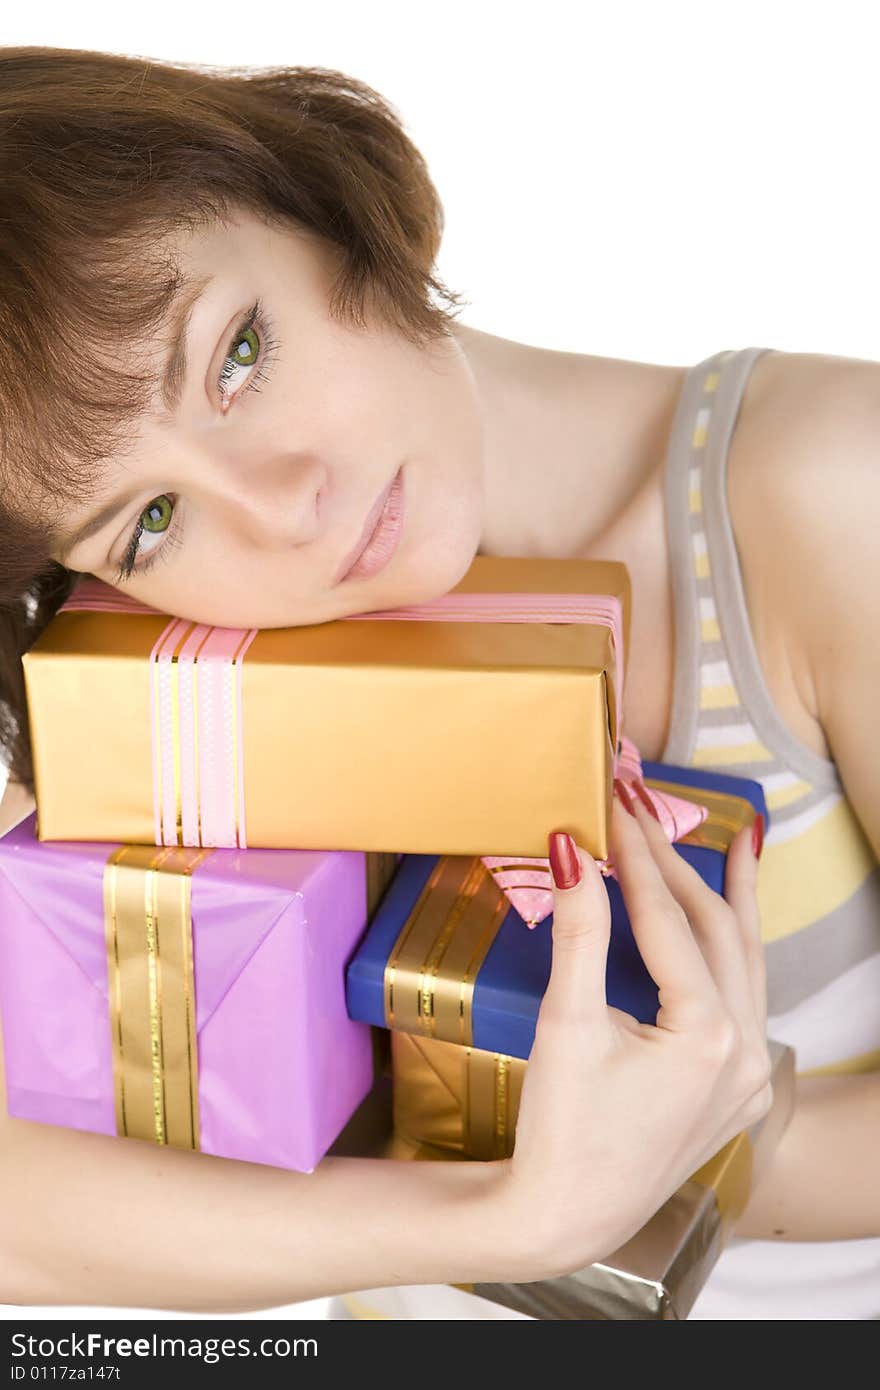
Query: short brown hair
point(102, 158)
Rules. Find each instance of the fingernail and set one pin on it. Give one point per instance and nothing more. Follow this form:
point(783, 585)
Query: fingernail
point(642, 794)
point(758, 835)
point(565, 864)
point(624, 796)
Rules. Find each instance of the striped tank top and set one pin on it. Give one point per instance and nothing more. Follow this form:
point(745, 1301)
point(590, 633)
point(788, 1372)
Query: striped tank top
point(818, 885)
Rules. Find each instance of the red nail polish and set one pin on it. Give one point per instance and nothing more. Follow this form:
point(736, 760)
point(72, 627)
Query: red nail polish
point(758, 835)
point(624, 796)
point(565, 864)
point(642, 794)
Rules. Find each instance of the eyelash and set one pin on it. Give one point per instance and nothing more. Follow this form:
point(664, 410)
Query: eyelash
point(269, 345)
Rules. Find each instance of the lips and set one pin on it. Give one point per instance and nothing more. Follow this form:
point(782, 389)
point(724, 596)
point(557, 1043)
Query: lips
point(380, 534)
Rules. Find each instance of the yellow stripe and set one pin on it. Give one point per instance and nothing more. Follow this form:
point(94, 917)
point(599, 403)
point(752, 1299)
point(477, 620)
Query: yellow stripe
point(728, 755)
point(712, 381)
point(701, 566)
point(717, 696)
point(695, 500)
point(803, 879)
point(852, 1066)
point(699, 438)
point(786, 795)
point(358, 1309)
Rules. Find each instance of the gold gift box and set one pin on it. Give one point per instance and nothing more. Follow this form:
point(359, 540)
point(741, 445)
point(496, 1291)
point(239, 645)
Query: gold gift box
point(440, 737)
point(658, 1274)
point(455, 1097)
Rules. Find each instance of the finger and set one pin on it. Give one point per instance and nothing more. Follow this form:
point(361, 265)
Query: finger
point(713, 919)
point(741, 891)
point(581, 931)
point(660, 926)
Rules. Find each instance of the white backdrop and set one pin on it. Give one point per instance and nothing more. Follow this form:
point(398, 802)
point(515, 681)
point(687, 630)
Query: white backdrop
point(628, 179)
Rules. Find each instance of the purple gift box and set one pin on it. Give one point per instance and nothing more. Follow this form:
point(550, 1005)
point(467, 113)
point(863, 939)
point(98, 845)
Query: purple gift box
point(201, 1006)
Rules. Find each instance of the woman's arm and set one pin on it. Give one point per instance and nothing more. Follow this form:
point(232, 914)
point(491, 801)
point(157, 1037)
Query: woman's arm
point(822, 1181)
point(90, 1219)
point(811, 452)
point(614, 1116)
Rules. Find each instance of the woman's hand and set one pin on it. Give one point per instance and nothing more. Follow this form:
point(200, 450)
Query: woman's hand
point(615, 1115)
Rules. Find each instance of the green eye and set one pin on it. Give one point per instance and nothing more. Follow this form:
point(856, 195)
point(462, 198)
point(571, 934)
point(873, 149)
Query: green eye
point(244, 359)
point(244, 352)
point(157, 516)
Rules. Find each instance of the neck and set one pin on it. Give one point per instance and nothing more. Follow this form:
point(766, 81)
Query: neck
point(569, 443)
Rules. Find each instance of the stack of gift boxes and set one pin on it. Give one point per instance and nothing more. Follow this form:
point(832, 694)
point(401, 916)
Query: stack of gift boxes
point(183, 960)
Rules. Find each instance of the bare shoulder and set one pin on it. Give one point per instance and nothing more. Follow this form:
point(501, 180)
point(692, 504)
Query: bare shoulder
point(804, 495)
point(16, 803)
point(807, 438)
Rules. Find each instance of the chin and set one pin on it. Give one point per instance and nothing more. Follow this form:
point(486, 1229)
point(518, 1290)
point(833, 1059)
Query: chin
point(438, 567)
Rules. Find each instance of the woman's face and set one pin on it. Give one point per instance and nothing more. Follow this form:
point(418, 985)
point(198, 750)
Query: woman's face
point(250, 502)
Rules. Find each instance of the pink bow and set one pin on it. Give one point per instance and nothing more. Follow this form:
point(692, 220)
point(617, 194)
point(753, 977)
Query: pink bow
point(527, 882)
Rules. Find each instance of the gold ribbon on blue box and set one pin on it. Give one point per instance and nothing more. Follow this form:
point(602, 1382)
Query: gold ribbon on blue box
point(447, 958)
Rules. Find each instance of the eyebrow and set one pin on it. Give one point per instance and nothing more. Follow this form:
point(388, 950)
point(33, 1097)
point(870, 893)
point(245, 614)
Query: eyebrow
point(171, 384)
point(97, 522)
point(176, 366)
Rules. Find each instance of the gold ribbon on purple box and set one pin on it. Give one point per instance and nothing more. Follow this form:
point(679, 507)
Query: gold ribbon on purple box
point(148, 929)
point(152, 992)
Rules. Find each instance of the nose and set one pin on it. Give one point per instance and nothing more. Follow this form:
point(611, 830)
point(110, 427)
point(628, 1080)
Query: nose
point(269, 498)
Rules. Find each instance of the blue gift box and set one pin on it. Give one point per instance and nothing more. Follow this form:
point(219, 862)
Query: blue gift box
point(491, 996)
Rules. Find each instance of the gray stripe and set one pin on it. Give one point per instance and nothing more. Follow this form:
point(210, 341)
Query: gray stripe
point(704, 584)
point(799, 807)
point(729, 593)
point(712, 651)
point(806, 961)
point(686, 683)
point(761, 772)
point(735, 715)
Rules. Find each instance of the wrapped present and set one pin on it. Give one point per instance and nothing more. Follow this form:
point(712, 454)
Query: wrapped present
point(208, 736)
point(447, 958)
point(189, 997)
point(658, 1274)
point(460, 1099)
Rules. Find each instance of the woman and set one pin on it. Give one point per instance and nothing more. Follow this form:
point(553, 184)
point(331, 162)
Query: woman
point(178, 239)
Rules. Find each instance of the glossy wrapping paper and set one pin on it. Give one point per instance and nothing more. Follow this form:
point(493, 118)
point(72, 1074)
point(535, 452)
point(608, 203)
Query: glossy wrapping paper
point(190, 997)
point(658, 1274)
point(467, 725)
point(448, 961)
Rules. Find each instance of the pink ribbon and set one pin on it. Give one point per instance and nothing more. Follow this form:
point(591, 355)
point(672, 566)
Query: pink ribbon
point(196, 722)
